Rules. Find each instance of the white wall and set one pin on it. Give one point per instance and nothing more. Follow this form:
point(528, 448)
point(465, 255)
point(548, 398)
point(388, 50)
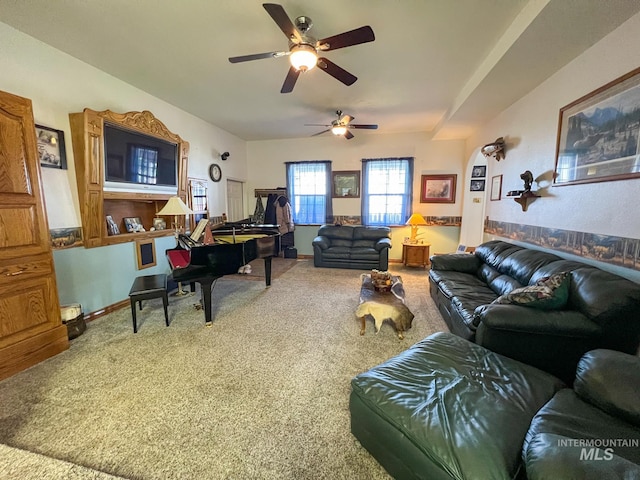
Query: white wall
point(267, 170)
point(530, 128)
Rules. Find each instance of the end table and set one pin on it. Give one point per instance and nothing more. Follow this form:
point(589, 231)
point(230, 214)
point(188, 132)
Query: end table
point(415, 254)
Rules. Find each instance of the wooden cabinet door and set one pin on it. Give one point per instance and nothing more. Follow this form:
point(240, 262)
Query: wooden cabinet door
point(30, 325)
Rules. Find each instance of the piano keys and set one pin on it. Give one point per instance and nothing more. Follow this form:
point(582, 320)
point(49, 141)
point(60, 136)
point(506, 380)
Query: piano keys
point(234, 245)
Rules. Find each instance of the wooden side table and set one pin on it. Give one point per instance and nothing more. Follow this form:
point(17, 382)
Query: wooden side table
point(415, 254)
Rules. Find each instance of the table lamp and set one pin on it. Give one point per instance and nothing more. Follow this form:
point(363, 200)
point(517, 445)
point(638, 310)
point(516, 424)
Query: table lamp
point(415, 220)
point(175, 206)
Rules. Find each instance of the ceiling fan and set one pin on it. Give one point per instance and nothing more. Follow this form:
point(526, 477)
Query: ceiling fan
point(341, 126)
point(304, 50)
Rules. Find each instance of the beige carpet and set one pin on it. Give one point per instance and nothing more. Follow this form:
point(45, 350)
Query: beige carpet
point(261, 394)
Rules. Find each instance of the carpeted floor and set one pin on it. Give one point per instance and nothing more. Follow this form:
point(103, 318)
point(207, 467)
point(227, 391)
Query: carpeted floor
point(261, 394)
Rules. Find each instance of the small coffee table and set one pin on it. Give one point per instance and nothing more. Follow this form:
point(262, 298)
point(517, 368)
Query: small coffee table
point(383, 306)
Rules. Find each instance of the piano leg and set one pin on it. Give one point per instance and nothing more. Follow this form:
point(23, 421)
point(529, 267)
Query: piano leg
point(267, 271)
point(206, 285)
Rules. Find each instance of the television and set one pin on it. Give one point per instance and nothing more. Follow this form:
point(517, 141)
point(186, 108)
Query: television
point(135, 162)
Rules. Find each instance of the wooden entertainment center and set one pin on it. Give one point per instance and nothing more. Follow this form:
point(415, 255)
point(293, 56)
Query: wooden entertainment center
point(87, 134)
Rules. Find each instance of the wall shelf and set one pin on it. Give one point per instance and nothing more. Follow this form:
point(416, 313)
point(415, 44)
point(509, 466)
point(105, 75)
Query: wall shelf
point(525, 198)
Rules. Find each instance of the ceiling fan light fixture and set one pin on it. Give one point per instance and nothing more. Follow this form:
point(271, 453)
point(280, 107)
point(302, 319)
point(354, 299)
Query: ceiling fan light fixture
point(338, 129)
point(303, 57)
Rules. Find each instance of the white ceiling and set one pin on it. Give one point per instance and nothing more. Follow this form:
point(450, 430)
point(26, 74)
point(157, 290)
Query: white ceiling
point(437, 66)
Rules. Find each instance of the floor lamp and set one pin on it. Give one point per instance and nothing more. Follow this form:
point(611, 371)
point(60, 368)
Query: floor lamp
point(176, 207)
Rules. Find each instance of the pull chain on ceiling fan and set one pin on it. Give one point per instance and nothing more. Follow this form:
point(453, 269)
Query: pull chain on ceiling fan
point(304, 50)
point(341, 126)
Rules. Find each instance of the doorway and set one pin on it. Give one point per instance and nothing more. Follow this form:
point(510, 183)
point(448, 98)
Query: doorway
point(235, 200)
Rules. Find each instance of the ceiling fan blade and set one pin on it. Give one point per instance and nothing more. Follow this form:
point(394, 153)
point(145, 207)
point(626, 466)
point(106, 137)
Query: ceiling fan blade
point(320, 133)
point(336, 72)
point(316, 125)
point(257, 56)
point(348, 135)
point(282, 19)
point(368, 127)
point(346, 119)
point(346, 39)
point(290, 80)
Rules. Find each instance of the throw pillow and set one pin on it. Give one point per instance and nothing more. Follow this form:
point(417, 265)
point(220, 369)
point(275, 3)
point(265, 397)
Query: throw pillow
point(548, 293)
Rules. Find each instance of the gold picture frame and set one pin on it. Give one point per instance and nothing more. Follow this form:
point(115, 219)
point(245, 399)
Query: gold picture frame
point(598, 134)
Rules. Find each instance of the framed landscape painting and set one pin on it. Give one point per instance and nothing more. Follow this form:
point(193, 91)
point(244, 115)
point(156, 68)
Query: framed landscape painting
point(438, 188)
point(346, 184)
point(599, 134)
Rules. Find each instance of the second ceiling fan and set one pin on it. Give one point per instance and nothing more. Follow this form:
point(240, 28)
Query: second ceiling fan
point(304, 50)
point(341, 126)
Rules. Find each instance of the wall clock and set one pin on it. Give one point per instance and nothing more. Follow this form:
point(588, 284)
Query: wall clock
point(214, 172)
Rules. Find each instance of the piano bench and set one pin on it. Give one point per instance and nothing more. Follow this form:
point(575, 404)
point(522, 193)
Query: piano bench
point(145, 288)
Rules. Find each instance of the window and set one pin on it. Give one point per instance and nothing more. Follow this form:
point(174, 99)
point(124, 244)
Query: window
point(308, 184)
point(198, 200)
point(386, 191)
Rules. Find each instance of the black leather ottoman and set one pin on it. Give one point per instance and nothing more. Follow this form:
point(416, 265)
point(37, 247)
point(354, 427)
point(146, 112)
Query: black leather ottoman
point(448, 408)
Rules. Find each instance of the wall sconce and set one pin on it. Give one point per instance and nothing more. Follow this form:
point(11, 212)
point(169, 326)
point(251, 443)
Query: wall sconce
point(225, 155)
point(495, 149)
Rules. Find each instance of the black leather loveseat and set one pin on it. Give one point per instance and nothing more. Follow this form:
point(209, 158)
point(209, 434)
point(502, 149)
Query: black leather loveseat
point(481, 298)
point(348, 246)
point(447, 408)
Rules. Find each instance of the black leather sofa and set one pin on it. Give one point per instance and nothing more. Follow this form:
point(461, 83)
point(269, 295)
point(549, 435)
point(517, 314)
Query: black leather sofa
point(601, 310)
point(348, 246)
point(447, 408)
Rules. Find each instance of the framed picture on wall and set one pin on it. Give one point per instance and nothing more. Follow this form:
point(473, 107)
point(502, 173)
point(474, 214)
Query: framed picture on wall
point(51, 148)
point(598, 134)
point(345, 184)
point(496, 187)
point(479, 171)
point(438, 188)
point(477, 186)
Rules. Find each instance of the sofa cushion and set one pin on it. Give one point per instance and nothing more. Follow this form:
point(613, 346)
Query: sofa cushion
point(459, 410)
point(371, 233)
point(336, 232)
point(364, 254)
point(337, 253)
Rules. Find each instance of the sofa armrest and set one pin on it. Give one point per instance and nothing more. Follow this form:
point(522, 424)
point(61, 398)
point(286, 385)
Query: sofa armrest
point(458, 262)
point(321, 241)
point(382, 244)
point(609, 380)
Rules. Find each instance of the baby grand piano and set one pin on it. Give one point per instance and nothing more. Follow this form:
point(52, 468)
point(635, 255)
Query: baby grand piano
point(235, 245)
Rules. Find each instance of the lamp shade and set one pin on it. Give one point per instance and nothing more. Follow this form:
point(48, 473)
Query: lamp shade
point(175, 206)
point(416, 219)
